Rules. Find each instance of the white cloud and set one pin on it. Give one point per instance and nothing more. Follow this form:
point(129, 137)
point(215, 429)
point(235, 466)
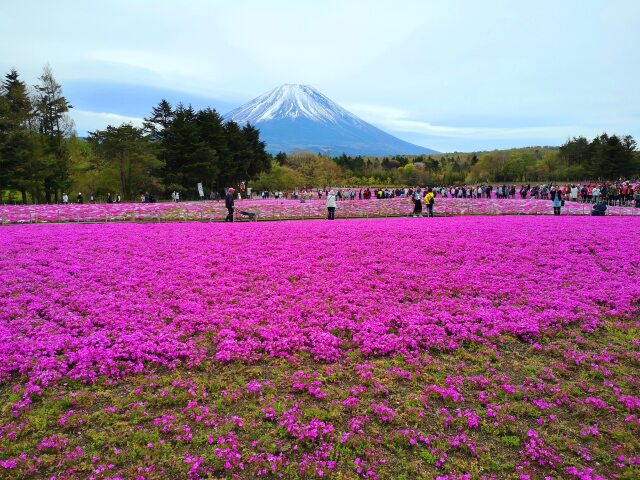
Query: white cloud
point(89, 121)
point(400, 121)
point(445, 62)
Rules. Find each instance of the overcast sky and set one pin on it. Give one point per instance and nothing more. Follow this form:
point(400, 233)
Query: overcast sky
point(450, 75)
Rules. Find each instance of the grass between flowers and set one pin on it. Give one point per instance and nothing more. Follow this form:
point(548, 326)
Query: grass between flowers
point(455, 348)
point(241, 421)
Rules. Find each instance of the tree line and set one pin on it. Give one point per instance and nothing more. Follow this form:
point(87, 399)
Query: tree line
point(34, 126)
point(175, 149)
point(606, 157)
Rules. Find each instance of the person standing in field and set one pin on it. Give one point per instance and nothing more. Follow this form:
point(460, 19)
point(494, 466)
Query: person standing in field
point(556, 200)
point(79, 198)
point(228, 203)
point(417, 202)
point(574, 193)
point(331, 205)
point(429, 200)
point(65, 199)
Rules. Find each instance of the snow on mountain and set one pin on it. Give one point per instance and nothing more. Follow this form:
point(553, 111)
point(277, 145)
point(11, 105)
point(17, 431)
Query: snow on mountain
point(293, 117)
point(291, 101)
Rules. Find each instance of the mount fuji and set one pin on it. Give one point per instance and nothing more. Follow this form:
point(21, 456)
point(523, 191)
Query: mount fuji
point(298, 117)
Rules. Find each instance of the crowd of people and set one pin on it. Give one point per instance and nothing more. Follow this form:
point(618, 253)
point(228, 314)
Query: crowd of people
point(600, 194)
point(623, 193)
point(92, 198)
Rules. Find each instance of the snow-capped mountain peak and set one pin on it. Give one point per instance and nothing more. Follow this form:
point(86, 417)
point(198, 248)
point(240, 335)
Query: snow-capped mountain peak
point(298, 117)
point(291, 101)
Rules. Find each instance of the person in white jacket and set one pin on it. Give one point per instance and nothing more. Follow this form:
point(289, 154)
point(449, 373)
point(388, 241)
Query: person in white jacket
point(574, 193)
point(331, 205)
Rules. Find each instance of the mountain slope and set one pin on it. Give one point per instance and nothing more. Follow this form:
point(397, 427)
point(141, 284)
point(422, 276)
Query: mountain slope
point(293, 117)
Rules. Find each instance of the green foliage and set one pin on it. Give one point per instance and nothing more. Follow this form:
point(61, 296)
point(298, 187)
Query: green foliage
point(511, 440)
point(128, 152)
point(279, 178)
point(41, 157)
point(200, 147)
point(428, 457)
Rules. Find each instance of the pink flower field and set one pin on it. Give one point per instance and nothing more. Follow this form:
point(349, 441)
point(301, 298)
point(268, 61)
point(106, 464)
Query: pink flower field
point(454, 348)
point(285, 209)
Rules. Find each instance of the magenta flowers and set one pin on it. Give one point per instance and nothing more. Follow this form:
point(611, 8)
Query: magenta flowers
point(256, 349)
point(83, 301)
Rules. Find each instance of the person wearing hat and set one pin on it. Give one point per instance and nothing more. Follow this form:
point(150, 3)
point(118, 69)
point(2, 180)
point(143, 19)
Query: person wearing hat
point(331, 205)
point(228, 203)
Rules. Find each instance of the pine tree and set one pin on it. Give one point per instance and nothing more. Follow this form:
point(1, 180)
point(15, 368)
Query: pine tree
point(258, 161)
point(160, 120)
point(53, 123)
point(19, 166)
point(180, 142)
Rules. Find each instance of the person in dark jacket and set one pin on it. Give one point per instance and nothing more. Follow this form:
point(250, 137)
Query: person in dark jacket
point(228, 203)
point(599, 209)
point(556, 200)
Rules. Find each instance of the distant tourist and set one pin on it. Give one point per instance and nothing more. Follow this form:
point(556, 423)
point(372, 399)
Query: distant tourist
point(109, 198)
point(574, 193)
point(429, 200)
point(331, 205)
point(65, 199)
point(118, 198)
point(556, 200)
point(79, 198)
point(228, 203)
point(417, 203)
point(599, 209)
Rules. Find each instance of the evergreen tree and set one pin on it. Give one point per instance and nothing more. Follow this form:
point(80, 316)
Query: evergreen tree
point(281, 157)
point(160, 120)
point(198, 146)
point(130, 152)
point(53, 123)
point(18, 103)
point(180, 143)
point(257, 160)
point(575, 151)
point(18, 162)
point(234, 165)
point(212, 134)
